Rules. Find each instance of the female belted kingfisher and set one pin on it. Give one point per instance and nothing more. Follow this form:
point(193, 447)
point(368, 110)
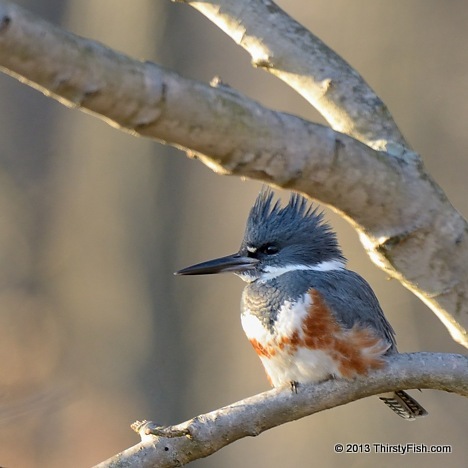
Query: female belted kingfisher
point(308, 317)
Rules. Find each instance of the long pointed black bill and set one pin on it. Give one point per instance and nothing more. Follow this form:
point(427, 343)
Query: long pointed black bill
point(235, 263)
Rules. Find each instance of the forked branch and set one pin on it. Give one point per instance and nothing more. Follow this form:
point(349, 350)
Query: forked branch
point(405, 221)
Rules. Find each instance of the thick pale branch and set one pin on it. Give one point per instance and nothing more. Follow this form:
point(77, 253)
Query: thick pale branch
point(404, 219)
point(280, 45)
point(210, 432)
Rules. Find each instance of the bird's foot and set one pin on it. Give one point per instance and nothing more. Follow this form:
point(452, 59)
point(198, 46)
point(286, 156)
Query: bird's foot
point(294, 386)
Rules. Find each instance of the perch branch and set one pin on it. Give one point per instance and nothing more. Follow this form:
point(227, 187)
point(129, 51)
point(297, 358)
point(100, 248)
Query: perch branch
point(208, 433)
point(404, 219)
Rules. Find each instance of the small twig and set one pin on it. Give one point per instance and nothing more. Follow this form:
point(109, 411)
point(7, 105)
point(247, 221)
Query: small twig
point(145, 428)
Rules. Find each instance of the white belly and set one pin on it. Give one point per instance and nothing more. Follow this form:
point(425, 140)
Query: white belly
point(305, 365)
point(286, 363)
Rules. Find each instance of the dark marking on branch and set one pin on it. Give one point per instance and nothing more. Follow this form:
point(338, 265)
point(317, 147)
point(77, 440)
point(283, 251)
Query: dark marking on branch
point(5, 23)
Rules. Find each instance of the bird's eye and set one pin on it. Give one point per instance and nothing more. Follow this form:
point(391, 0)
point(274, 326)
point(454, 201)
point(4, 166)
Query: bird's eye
point(269, 249)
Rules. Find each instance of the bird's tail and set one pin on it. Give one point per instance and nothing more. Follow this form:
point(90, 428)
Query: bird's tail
point(404, 405)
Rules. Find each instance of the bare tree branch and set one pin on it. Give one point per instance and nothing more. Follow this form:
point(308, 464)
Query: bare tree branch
point(405, 221)
point(280, 45)
point(208, 433)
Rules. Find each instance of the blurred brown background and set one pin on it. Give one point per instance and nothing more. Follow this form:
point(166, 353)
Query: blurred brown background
point(96, 332)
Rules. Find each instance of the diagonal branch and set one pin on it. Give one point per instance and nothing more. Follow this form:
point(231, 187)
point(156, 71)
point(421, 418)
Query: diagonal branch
point(404, 219)
point(208, 433)
point(282, 46)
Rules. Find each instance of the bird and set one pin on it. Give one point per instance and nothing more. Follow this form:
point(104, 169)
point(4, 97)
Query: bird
point(307, 316)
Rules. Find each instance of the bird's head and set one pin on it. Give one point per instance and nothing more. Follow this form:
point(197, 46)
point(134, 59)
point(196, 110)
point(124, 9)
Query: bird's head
point(277, 240)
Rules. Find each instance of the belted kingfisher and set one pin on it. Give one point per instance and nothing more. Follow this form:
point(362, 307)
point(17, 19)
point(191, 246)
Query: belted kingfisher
point(307, 316)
